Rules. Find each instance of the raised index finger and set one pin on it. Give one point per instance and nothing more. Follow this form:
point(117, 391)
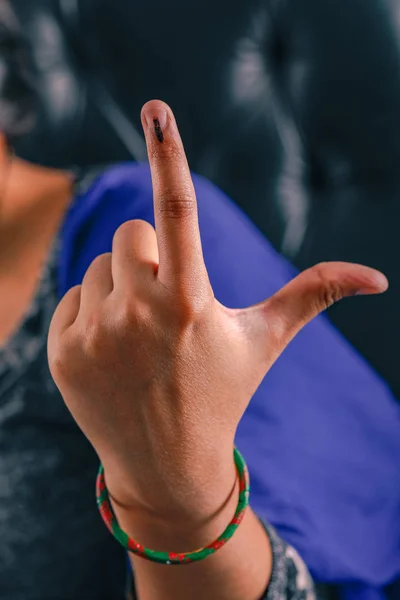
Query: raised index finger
point(175, 204)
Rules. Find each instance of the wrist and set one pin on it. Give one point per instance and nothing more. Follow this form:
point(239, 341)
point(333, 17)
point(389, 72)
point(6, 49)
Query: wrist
point(174, 535)
point(178, 528)
point(176, 492)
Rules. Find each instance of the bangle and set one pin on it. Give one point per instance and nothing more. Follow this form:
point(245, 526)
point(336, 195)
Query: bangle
point(173, 558)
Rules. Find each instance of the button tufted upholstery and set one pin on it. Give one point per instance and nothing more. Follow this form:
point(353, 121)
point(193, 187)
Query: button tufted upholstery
point(291, 106)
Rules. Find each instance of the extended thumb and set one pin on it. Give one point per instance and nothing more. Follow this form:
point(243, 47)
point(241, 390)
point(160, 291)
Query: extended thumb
point(310, 293)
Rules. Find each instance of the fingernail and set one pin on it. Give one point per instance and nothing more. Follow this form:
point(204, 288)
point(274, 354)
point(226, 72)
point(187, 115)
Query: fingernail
point(157, 130)
point(378, 284)
point(156, 119)
point(381, 281)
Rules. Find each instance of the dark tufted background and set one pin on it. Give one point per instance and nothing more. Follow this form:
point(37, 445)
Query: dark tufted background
point(291, 106)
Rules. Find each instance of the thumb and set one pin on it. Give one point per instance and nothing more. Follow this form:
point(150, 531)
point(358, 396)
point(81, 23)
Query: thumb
point(308, 294)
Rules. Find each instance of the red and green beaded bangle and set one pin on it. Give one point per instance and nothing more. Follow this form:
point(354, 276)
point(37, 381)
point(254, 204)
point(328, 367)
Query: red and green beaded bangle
point(173, 558)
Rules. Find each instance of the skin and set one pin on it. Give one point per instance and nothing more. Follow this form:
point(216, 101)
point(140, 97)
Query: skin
point(157, 373)
point(33, 200)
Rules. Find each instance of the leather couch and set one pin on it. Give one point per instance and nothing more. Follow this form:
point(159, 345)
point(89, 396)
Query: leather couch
point(291, 106)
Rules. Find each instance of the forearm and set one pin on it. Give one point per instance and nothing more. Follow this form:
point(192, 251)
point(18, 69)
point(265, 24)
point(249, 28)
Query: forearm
point(238, 571)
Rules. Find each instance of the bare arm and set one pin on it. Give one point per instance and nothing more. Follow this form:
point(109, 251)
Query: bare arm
point(157, 373)
point(239, 571)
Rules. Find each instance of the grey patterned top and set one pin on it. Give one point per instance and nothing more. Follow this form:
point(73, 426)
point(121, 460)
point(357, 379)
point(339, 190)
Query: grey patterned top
point(290, 579)
point(53, 544)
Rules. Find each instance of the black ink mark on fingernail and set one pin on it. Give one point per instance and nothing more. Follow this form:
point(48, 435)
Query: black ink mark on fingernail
point(158, 130)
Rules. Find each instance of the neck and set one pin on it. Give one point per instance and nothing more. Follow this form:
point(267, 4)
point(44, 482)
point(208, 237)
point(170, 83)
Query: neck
point(28, 189)
point(32, 206)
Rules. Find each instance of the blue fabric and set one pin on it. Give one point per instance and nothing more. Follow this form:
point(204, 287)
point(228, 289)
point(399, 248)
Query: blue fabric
point(362, 592)
point(321, 435)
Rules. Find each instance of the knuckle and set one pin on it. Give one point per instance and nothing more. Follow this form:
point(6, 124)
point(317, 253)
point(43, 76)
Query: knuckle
point(98, 268)
point(189, 314)
point(92, 339)
point(59, 358)
point(191, 307)
point(176, 203)
point(101, 262)
point(330, 294)
point(140, 225)
point(123, 232)
point(330, 290)
point(56, 360)
point(128, 230)
point(127, 315)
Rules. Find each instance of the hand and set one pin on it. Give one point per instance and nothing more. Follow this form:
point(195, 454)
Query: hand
point(156, 372)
